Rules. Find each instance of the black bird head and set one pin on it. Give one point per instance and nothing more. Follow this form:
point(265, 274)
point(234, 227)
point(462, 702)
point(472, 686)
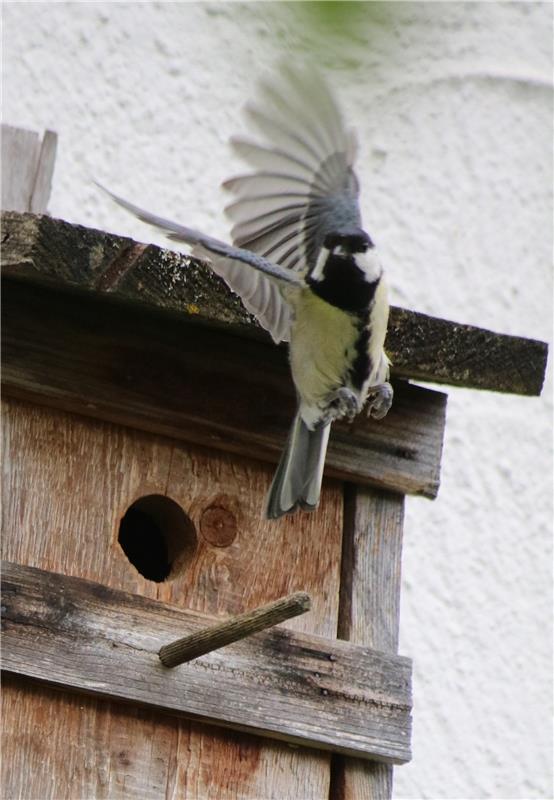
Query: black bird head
point(349, 240)
point(347, 270)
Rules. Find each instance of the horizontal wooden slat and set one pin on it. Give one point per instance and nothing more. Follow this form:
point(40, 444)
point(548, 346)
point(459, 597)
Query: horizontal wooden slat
point(161, 373)
point(41, 248)
point(79, 635)
point(421, 347)
point(429, 349)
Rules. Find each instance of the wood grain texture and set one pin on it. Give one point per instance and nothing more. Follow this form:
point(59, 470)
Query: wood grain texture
point(429, 349)
point(160, 373)
point(371, 568)
point(20, 152)
point(369, 611)
point(69, 746)
point(420, 347)
point(58, 746)
point(303, 689)
point(45, 170)
point(27, 169)
point(39, 247)
point(67, 482)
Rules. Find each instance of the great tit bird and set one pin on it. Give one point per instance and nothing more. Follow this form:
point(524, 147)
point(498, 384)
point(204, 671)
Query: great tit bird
point(303, 265)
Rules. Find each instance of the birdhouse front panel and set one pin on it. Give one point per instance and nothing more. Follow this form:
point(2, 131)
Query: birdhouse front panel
point(69, 485)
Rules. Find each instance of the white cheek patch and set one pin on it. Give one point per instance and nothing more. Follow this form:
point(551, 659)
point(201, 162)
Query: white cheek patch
point(369, 264)
point(317, 272)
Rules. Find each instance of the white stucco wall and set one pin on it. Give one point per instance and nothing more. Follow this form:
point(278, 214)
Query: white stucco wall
point(453, 105)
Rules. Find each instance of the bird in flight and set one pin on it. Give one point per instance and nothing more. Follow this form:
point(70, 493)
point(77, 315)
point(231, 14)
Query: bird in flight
point(305, 267)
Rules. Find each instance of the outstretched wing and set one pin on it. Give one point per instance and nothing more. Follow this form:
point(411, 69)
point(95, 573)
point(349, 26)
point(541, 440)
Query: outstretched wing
point(303, 185)
point(180, 233)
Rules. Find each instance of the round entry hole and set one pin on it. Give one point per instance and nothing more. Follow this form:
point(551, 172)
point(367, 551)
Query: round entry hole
point(157, 537)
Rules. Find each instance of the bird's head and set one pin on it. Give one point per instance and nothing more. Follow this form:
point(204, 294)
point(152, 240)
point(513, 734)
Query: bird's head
point(347, 248)
point(348, 241)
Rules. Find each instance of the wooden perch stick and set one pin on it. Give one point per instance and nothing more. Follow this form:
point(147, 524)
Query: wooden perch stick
point(216, 636)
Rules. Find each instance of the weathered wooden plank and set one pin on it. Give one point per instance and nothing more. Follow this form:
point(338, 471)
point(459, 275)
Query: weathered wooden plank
point(369, 611)
point(39, 247)
point(27, 169)
point(428, 349)
point(20, 152)
point(62, 746)
point(307, 690)
point(45, 171)
point(163, 374)
point(371, 570)
point(421, 347)
point(67, 481)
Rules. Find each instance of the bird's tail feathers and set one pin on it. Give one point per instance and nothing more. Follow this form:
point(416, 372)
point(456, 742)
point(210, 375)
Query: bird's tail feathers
point(297, 481)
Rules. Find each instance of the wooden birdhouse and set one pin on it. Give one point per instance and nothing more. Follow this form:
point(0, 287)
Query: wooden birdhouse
point(144, 412)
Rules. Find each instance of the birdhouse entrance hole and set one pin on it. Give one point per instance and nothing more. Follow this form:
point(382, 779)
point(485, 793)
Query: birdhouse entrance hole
point(157, 537)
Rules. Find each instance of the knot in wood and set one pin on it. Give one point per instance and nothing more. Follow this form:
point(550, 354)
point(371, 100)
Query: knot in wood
point(218, 526)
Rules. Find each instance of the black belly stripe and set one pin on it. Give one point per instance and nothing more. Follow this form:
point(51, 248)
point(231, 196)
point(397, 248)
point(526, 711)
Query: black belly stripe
point(344, 286)
point(362, 365)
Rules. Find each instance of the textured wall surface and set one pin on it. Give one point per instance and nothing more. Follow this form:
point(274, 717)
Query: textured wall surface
point(453, 105)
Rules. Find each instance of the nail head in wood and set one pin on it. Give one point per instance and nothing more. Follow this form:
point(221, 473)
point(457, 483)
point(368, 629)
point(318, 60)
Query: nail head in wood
point(231, 630)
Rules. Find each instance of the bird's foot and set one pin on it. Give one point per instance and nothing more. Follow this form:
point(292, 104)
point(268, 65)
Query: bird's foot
point(343, 403)
point(379, 400)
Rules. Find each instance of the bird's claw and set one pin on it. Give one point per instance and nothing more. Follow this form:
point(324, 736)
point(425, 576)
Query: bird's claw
point(379, 400)
point(343, 403)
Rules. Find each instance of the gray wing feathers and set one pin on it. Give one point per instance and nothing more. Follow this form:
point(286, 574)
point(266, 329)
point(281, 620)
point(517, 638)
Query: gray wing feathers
point(302, 187)
point(171, 229)
point(303, 184)
point(260, 296)
point(297, 481)
point(258, 288)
